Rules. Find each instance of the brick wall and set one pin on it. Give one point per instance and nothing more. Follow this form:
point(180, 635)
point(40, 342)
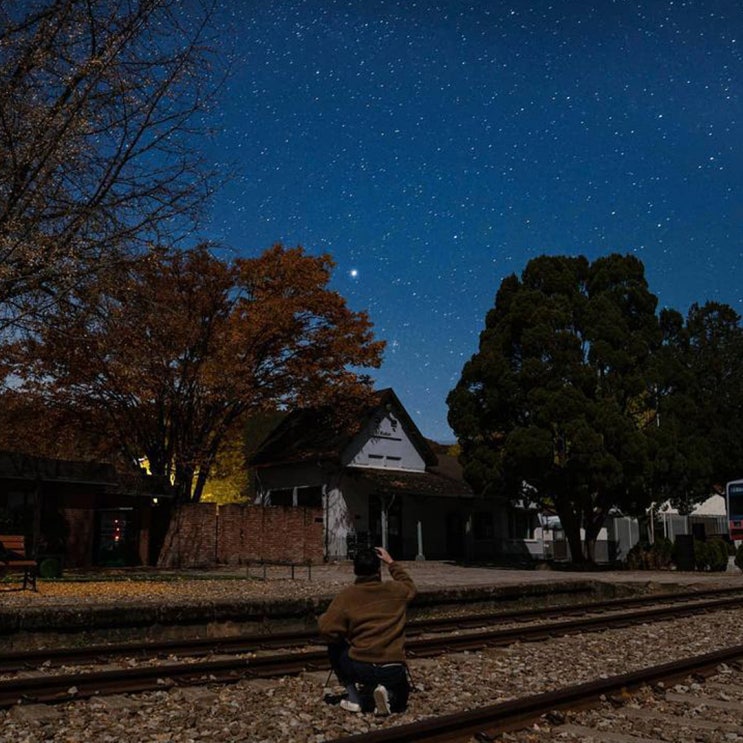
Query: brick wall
point(191, 538)
point(203, 534)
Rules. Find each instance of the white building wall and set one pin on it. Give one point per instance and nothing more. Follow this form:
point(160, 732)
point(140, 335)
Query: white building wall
point(339, 523)
point(383, 443)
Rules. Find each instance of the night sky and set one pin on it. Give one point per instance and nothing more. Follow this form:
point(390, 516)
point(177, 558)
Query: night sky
point(433, 148)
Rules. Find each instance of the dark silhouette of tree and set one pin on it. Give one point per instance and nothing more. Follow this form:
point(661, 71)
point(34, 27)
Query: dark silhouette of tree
point(99, 105)
point(554, 405)
point(699, 391)
point(165, 358)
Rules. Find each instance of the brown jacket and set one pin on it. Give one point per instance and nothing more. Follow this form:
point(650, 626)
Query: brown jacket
point(370, 615)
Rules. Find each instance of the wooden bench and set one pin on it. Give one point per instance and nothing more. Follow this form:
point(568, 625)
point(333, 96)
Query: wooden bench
point(13, 559)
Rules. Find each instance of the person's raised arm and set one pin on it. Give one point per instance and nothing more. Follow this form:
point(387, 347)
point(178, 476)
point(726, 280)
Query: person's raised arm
point(397, 572)
point(383, 555)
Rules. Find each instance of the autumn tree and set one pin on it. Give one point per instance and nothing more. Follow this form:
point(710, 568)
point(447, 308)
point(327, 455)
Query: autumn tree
point(554, 405)
point(100, 101)
point(165, 358)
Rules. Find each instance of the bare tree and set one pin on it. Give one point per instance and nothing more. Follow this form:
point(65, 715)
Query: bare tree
point(100, 101)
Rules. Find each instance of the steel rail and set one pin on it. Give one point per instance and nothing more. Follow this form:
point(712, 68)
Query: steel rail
point(62, 688)
point(485, 723)
point(195, 647)
point(475, 640)
point(54, 688)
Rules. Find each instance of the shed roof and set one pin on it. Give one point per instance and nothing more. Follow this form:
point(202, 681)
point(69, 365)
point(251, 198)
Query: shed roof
point(437, 481)
point(19, 467)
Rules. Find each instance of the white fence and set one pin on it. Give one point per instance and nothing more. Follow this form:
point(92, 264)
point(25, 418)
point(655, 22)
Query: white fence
point(623, 533)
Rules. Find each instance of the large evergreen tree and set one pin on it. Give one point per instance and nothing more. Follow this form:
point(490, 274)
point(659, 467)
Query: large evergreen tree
point(556, 402)
point(699, 392)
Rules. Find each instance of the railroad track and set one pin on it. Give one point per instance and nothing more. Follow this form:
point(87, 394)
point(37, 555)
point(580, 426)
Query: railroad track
point(64, 687)
point(199, 647)
point(488, 723)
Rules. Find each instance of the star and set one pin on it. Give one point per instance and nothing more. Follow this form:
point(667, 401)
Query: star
point(438, 147)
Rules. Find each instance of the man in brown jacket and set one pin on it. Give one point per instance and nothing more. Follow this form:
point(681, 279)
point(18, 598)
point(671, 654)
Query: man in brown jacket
point(365, 630)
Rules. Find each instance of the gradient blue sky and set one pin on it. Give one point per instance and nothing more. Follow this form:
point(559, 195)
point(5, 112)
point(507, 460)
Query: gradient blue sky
point(433, 148)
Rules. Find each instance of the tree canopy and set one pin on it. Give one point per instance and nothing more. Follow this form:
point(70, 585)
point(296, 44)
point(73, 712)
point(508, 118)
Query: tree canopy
point(99, 105)
point(699, 394)
point(163, 357)
point(554, 405)
point(582, 399)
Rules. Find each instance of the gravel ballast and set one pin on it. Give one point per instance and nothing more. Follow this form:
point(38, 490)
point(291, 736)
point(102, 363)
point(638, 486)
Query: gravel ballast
point(292, 708)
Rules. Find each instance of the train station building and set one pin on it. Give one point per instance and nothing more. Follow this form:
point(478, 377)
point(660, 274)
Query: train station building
point(384, 484)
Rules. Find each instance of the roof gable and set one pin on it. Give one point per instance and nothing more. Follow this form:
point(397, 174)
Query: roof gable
point(384, 442)
point(311, 434)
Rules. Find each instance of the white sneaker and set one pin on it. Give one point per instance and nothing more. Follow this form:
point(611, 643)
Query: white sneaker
point(350, 706)
point(381, 700)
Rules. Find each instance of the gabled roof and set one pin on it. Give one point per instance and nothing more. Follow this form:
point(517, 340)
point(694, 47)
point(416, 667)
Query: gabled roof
point(18, 466)
point(312, 435)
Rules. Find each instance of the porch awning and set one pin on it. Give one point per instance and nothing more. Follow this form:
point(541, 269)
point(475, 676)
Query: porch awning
point(413, 483)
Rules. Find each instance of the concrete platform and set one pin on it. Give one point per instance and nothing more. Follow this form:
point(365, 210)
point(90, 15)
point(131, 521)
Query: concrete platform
point(132, 604)
point(434, 575)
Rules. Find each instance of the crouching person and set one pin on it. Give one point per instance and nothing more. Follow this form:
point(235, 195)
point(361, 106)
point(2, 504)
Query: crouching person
point(364, 627)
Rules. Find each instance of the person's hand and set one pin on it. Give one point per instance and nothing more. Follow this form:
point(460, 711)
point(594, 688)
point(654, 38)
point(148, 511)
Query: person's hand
point(383, 555)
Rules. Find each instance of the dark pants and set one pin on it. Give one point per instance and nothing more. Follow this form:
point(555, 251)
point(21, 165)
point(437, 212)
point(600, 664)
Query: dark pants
point(393, 676)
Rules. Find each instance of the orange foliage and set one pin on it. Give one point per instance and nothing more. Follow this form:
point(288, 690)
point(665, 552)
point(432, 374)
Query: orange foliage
point(166, 357)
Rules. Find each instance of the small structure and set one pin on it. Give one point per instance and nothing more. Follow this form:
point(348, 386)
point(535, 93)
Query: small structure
point(706, 519)
point(383, 484)
point(82, 513)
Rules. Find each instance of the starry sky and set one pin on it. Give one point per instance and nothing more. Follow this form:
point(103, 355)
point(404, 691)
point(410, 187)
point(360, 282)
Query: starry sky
point(434, 147)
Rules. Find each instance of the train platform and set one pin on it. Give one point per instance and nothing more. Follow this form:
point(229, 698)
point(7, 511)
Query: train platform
point(310, 587)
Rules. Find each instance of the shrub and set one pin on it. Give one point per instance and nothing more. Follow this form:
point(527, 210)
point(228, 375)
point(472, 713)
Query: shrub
point(664, 550)
point(650, 556)
point(50, 567)
point(711, 555)
point(636, 557)
point(739, 557)
point(717, 555)
point(701, 555)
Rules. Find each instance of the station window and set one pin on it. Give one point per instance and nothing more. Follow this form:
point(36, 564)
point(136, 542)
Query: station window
point(309, 497)
point(303, 497)
point(282, 497)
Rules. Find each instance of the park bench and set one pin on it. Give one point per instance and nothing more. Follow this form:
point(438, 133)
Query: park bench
point(13, 559)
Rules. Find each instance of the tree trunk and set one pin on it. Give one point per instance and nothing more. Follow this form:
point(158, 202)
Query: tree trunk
point(589, 547)
point(571, 527)
point(593, 522)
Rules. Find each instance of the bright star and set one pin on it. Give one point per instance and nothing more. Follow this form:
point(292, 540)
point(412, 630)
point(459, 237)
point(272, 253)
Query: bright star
point(353, 273)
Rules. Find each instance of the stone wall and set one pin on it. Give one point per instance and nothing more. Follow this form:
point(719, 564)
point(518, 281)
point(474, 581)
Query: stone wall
point(203, 534)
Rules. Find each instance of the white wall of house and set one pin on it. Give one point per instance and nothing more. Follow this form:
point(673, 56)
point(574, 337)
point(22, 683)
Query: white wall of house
point(340, 521)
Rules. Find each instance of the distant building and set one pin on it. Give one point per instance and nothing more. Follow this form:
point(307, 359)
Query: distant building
point(83, 513)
